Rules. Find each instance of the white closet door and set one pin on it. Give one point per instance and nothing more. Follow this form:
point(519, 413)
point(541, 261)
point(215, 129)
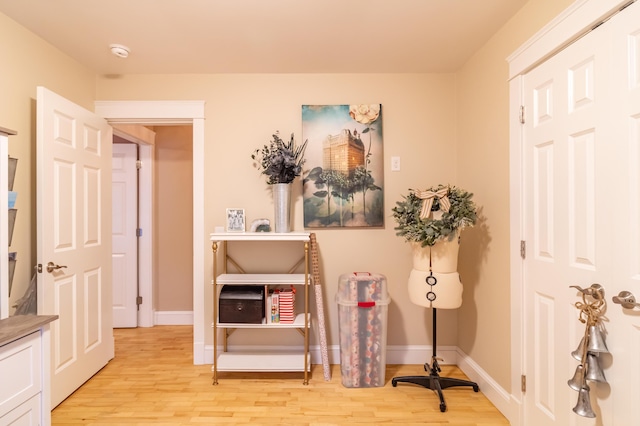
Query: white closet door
point(124, 259)
point(581, 139)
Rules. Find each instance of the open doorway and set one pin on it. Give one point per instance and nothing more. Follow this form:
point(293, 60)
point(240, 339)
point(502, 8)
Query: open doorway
point(168, 113)
point(160, 291)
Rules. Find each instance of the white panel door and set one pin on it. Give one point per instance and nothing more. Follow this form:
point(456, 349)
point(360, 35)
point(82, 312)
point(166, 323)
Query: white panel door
point(74, 237)
point(125, 222)
point(581, 139)
point(624, 324)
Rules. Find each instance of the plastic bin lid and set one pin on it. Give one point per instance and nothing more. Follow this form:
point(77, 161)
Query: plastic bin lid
point(365, 290)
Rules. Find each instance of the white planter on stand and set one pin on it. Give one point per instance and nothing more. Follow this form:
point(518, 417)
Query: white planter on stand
point(282, 207)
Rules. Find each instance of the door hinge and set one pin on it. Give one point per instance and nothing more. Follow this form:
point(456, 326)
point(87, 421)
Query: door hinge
point(522, 114)
point(139, 300)
point(523, 383)
point(139, 232)
point(523, 249)
point(138, 164)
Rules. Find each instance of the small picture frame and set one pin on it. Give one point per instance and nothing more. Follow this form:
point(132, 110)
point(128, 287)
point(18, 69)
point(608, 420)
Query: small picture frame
point(235, 220)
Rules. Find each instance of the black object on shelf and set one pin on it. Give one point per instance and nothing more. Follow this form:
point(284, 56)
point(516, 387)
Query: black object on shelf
point(242, 304)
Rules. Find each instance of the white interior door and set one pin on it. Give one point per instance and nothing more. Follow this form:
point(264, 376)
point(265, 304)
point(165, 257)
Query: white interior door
point(624, 324)
point(74, 235)
point(581, 156)
point(124, 237)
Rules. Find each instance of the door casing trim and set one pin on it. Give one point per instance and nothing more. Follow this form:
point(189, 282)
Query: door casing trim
point(176, 112)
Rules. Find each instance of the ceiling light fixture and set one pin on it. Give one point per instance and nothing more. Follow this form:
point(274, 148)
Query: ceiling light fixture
point(119, 50)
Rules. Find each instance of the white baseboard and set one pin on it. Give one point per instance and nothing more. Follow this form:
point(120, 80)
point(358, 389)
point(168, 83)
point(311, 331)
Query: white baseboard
point(504, 402)
point(173, 318)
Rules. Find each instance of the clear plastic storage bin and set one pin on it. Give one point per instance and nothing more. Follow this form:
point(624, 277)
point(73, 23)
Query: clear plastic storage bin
point(362, 313)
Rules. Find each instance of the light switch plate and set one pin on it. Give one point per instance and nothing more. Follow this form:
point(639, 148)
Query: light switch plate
point(395, 164)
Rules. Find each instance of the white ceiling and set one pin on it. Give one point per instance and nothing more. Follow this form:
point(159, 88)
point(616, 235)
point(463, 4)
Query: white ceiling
point(266, 36)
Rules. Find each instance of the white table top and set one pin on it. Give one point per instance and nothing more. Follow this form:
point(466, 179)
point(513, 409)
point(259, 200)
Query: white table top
point(259, 236)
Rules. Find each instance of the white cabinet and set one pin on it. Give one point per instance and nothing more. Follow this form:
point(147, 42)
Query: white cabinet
point(24, 369)
point(26, 414)
point(24, 339)
point(4, 222)
point(294, 360)
point(21, 372)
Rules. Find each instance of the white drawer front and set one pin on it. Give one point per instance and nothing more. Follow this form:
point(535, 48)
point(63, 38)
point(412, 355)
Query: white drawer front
point(21, 371)
point(26, 414)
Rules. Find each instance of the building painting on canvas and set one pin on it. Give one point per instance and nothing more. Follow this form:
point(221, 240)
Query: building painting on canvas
point(344, 168)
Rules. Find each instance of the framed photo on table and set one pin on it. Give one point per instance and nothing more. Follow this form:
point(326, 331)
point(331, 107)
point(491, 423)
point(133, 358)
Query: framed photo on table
point(235, 220)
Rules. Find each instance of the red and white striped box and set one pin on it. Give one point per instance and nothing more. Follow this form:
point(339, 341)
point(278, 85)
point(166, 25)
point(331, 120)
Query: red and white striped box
point(287, 306)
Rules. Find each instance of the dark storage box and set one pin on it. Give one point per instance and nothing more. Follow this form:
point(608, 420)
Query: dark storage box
point(242, 304)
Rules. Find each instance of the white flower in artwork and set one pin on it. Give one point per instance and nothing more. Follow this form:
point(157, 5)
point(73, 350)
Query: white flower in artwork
point(365, 114)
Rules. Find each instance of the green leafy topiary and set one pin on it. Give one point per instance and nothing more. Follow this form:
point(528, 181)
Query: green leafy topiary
point(427, 231)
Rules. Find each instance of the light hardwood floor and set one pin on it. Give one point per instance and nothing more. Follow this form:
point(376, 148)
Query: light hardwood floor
point(152, 381)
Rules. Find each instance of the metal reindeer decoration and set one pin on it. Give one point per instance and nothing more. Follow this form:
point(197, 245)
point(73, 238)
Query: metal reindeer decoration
point(591, 346)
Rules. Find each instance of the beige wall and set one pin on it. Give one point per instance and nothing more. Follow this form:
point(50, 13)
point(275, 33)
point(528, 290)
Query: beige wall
point(447, 128)
point(483, 164)
point(27, 62)
point(242, 111)
point(173, 219)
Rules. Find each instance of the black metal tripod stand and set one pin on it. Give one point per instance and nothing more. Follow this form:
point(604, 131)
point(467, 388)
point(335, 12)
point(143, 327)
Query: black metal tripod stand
point(433, 380)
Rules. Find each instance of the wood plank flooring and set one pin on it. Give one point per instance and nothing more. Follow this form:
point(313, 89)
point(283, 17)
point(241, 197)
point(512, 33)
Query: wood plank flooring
point(152, 381)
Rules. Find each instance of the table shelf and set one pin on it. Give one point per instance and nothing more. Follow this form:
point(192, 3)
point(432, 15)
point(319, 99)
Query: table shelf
point(298, 322)
point(271, 361)
point(267, 360)
point(260, 279)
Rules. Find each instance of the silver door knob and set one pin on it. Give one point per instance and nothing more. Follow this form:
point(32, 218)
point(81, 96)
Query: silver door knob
point(626, 299)
point(594, 290)
point(53, 267)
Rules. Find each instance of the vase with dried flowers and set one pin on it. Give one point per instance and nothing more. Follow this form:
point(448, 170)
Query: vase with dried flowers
point(281, 162)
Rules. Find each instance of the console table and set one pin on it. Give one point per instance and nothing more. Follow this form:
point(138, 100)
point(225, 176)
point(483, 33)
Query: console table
point(279, 361)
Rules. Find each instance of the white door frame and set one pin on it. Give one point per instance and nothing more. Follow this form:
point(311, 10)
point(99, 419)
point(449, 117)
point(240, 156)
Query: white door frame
point(176, 112)
point(575, 21)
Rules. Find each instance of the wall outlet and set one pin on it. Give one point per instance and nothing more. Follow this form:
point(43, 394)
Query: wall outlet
point(395, 164)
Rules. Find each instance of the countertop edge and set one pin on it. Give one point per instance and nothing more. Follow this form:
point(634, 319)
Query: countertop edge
point(18, 326)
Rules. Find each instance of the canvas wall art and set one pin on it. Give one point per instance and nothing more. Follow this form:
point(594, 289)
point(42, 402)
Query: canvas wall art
point(343, 176)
